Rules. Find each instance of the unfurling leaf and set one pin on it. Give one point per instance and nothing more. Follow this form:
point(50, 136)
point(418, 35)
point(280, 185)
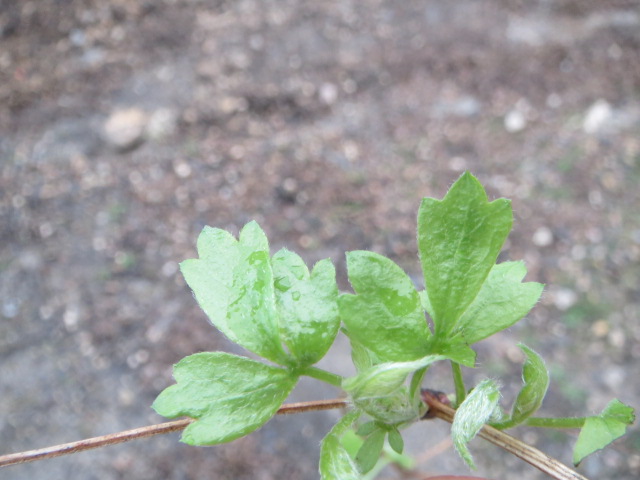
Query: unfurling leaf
point(476, 410)
point(536, 381)
point(394, 409)
point(379, 390)
point(230, 396)
point(384, 379)
point(335, 461)
point(361, 356)
point(459, 238)
point(601, 430)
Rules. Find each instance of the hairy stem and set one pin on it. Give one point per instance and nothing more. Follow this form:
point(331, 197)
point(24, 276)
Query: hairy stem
point(524, 451)
point(461, 391)
point(168, 427)
point(570, 422)
point(323, 375)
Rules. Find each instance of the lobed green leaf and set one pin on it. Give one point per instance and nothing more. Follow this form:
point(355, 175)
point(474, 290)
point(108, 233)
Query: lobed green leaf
point(459, 238)
point(385, 315)
point(477, 409)
point(601, 430)
point(501, 302)
point(233, 283)
point(261, 302)
point(307, 307)
point(230, 396)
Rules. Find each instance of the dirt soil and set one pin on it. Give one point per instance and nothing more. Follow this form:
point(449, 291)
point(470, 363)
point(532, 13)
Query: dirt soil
point(126, 126)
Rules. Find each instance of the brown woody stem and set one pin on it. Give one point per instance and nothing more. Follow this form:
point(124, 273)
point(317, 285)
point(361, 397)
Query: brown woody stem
point(437, 408)
point(526, 452)
point(168, 427)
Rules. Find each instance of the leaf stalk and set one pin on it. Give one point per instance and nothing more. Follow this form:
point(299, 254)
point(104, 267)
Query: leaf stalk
point(458, 380)
point(569, 422)
point(323, 375)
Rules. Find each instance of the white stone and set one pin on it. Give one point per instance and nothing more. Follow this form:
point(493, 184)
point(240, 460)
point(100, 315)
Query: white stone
point(542, 237)
point(515, 121)
point(598, 117)
point(328, 93)
point(124, 129)
point(564, 299)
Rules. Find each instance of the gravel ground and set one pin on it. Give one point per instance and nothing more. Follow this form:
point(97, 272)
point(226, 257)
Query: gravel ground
point(126, 126)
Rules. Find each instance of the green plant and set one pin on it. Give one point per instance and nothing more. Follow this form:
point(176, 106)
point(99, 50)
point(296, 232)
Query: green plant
point(276, 308)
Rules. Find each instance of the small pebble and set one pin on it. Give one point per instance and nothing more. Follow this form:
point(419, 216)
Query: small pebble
point(124, 129)
point(543, 237)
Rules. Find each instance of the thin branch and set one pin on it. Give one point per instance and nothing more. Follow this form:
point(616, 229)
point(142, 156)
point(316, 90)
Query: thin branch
point(526, 452)
point(143, 432)
point(437, 408)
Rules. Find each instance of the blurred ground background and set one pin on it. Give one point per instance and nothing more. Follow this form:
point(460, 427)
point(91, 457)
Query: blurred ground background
point(126, 126)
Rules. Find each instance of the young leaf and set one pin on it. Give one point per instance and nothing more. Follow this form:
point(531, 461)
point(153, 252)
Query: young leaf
point(384, 379)
point(385, 315)
point(230, 396)
point(361, 356)
point(406, 462)
point(335, 461)
point(369, 452)
point(501, 302)
point(352, 443)
point(379, 390)
point(459, 238)
point(536, 381)
point(367, 428)
point(476, 410)
point(307, 306)
point(395, 440)
point(600, 431)
point(233, 283)
point(393, 409)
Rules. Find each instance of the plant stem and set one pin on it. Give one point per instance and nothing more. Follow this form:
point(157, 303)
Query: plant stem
point(570, 422)
point(461, 391)
point(323, 375)
point(168, 427)
point(524, 451)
